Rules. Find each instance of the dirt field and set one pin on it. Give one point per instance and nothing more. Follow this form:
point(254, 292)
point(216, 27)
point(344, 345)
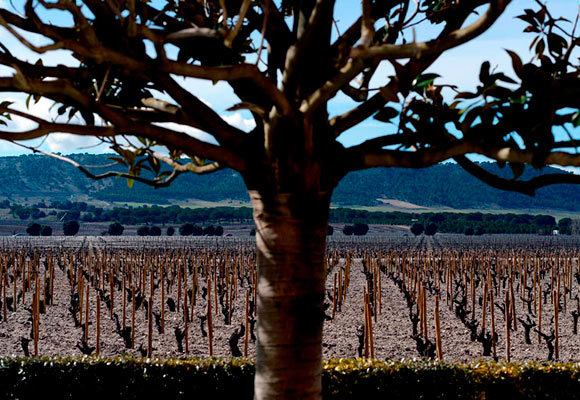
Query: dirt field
point(392, 326)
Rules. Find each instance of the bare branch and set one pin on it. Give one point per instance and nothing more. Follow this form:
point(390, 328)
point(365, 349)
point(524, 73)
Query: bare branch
point(437, 46)
point(367, 27)
point(242, 15)
point(426, 157)
point(157, 182)
point(188, 167)
point(232, 73)
point(527, 187)
point(189, 33)
point(45, 127)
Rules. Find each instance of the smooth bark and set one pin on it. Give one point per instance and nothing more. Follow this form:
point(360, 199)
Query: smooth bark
point(291, 242)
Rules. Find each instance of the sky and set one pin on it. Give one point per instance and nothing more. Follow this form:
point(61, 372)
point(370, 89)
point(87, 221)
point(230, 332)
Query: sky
point(459, 66)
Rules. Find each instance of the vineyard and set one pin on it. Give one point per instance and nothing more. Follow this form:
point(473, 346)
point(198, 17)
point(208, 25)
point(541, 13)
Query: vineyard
point(388, 297)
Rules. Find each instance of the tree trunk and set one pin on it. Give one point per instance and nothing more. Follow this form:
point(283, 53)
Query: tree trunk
point(291, 244)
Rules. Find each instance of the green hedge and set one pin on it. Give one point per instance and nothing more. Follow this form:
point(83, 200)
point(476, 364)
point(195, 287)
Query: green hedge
point(125, 378)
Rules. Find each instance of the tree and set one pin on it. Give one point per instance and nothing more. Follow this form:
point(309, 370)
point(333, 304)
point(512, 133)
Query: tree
point(186, 229)
point(360, 229)
point(170, 231)
point(469, 231)
point(330, 230)
point(430, 229)
point(417, 229)
point(219, 230)
point(46, 231)
point(33, 229)
point(143, 231)
point(70, 228)
point(155, 231)
point(348, 230)
point(284, 64)
point(115, 229)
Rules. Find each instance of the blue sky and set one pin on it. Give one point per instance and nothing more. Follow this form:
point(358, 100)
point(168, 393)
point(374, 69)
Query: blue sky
point(459, 67)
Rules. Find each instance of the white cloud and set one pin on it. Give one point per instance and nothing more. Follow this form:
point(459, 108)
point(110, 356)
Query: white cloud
point(238, 120)
point(66, 143)
point(196, 133)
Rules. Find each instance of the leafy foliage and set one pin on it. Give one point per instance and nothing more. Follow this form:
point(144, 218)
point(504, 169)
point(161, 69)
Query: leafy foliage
point(34, 229)
point(70, 228)
point(120, 377)
point(115, 229)
point(417, 229)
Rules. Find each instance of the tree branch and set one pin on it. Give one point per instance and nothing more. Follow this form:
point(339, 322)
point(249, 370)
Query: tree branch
point(364, 158)
point(526, 187)
point(437, 46)
point(157, 182)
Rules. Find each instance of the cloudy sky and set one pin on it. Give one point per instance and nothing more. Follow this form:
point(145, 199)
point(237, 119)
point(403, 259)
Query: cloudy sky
point(459, 67)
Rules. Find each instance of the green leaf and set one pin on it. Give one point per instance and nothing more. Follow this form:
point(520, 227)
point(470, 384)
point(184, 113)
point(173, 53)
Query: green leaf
point(470, 117)
point(424, 80)
point(130, 182)
point(517, 63)
point(576, 119)
point(466, 95)
point(386, 114)
point(484, 72)
point(155, 164)
point(556, 43)
point(502, 77)
point(540, 47)
point(389, 94)
point(71, 113)
point(119, 160)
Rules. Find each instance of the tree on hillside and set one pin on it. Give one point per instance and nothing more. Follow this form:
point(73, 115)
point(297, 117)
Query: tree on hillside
point(115, 229)
point(431, 229)
point(33, 229)
point(70, 228)
point(360, 229)
point(143, 231)
point(284, 62)
point(46, 231)
point(186, 229)
point(348, 230)
point(417, 228)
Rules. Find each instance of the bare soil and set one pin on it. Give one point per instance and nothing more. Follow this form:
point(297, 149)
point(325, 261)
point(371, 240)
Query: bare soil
point(392, 326)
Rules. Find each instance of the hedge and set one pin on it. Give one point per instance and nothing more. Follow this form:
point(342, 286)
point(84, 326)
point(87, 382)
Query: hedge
point(128, 378)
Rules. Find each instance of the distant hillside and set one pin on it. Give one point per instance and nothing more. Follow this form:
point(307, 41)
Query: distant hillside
point(445, 185)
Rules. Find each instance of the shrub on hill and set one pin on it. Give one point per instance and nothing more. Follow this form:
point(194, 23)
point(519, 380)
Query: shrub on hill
point(33, 229)
point(70, 228)
point(430, 229)
point(115, 229)
point(143, 231)
point(417, 229)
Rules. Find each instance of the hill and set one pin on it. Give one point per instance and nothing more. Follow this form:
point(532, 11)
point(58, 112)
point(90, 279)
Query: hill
point(445, 185)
